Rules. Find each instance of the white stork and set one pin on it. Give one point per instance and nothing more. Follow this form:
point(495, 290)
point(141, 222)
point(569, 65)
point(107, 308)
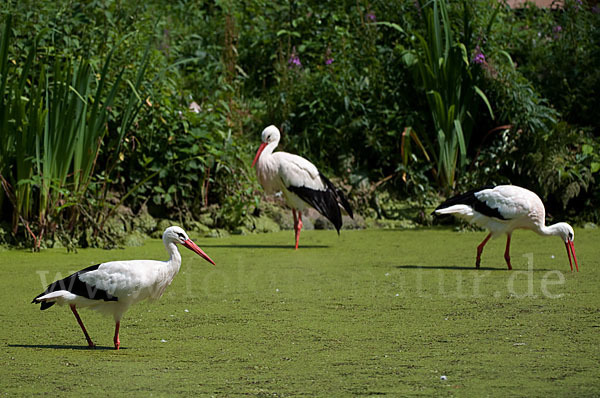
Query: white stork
point(502, 209)
point(113, 287)
point(299, 181)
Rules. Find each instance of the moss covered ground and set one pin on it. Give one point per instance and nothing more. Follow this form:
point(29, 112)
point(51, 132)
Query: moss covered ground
point(371, 312)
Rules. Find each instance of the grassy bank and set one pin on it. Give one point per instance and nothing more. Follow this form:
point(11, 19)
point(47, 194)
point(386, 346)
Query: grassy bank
point(366, 313)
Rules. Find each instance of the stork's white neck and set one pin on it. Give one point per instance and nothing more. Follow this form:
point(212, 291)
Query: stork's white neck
point(267, 168)
point(174, 256)
point(551, 230)
point(268, 151)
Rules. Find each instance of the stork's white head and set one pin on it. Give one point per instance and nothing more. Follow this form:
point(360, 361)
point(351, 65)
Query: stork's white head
point(566, 233)
point(270, 135)
point(176, 234)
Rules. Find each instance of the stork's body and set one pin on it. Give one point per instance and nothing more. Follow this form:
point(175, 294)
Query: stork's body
point(113, 287)
point(501, 210)
point(300, 182)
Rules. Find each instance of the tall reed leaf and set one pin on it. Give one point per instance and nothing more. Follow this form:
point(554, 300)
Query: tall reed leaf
point(53, 117)
point(442, 67)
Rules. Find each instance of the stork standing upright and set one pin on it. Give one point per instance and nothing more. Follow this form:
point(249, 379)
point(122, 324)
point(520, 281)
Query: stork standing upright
point(502, 209)
point(114, 286)
point(300, 182)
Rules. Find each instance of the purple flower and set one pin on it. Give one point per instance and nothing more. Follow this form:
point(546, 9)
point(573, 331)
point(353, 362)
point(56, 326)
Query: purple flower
point(294, 60)
point(556, 30)
point(371, 17)
point(478, 57)
point(328, 61)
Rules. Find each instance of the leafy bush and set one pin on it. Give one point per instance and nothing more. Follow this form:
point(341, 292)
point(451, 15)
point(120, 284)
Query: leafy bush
point(530, 145)
point(557, 50)
point(331, 81)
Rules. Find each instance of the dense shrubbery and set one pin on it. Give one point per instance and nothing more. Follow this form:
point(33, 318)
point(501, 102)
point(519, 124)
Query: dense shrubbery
point(351, 84)
point(543, 91)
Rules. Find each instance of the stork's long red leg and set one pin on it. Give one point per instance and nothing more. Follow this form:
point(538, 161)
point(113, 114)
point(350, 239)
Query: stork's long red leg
point(480, 250)
point(298, 228)
point(295, 218)
point(295, 226)
point(87, 336)
point(116, 339)
point(507, 251)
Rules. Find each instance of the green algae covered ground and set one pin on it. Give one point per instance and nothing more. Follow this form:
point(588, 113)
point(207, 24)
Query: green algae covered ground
point(373, 312)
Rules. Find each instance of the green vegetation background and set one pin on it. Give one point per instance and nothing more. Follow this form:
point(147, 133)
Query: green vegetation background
point(113, 111)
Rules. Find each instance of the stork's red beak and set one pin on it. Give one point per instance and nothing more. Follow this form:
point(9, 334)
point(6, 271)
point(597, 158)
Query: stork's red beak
point(260, 149)
point(571, 249)
point(194, 247)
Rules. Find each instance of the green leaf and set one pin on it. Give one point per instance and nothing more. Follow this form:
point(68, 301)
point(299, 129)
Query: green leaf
point(463, 53)
point(392, 25)
point(409, 58)
point(287, 32)
point(508, 58)
point(461, 141)
point(485, 100)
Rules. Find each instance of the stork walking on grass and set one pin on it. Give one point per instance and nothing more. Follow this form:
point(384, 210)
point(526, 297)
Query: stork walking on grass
point(300, 182)
point(501, 210)
point(114, 286)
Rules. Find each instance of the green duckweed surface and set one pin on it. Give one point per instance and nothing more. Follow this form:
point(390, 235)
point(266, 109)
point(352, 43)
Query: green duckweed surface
point(371, 312)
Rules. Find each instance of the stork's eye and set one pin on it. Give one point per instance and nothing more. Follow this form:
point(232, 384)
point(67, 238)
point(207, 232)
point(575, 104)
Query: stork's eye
point(181, 236)
point(570, 236)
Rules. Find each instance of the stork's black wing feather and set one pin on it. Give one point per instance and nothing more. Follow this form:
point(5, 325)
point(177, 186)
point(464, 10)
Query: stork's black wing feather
point(73, 284)
point(327, 202)
point(468, 198)
point(341, 199)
